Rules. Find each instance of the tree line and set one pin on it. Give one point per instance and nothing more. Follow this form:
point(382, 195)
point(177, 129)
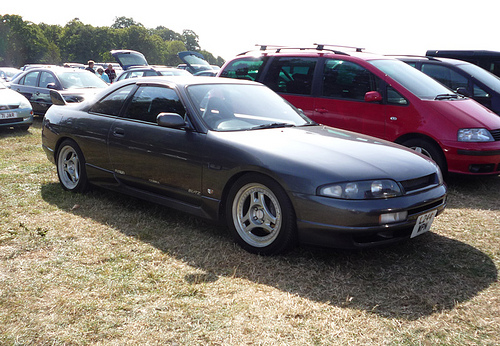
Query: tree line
point(23, 42)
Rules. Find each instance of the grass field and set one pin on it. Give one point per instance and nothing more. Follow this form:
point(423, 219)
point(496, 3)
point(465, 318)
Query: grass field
point(105, 269)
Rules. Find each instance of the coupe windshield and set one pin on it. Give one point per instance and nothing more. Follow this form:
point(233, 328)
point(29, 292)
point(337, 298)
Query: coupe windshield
point(232, 107)
point(412, 79)
point(82, 79)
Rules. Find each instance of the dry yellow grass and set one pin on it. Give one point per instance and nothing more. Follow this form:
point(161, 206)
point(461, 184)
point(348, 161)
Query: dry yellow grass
point(104, 269)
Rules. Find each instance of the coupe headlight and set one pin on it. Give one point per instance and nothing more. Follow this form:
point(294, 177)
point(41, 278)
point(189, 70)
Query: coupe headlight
point(361, 190)
point(474, 135)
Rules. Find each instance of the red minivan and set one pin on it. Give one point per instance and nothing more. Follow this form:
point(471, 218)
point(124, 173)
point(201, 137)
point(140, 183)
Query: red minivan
point(382, 97)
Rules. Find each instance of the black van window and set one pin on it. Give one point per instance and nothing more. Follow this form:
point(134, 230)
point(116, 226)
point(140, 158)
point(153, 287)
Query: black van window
point(479, 92)
point(445, 75)
point(344, 79)
point(249, 69)
point(291, 75)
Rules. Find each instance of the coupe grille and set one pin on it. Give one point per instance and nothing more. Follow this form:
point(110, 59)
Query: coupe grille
point(419, 183)
point(495, 134)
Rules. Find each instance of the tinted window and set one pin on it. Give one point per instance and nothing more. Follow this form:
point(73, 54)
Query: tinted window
point(344, 79)
point(149, 101)
point(482, 75)
point(291, 75)
point(30, 78)
point(46, 78)
point(445, 75)
point(418, 83)
point(478, 92)
point(395, 98)
point(249, 69)
point(112, 104)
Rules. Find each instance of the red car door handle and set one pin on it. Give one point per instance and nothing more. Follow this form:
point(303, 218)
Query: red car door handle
point(321, 110)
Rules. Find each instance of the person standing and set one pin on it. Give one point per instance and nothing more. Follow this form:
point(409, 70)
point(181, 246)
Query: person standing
point(110, 71)
point(90, 68)
point(103, 75)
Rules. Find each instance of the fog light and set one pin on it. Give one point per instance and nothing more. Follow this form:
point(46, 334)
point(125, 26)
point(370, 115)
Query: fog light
point(393, 217)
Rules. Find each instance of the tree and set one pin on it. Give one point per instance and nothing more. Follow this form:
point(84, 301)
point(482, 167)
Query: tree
point(21, 42)
point(124, 22)
point(190, 40)
point(166, 34)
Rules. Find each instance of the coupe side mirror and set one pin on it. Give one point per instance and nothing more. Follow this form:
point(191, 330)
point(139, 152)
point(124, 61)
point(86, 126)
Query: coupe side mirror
point(57, 98)
point(172, 120)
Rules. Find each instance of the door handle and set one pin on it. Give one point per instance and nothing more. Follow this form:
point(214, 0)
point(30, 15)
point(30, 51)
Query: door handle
point(119, 132)
point(321, 110)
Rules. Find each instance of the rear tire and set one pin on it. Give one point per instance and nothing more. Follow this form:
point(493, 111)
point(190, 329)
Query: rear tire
point(71, 167)
point(261, 216)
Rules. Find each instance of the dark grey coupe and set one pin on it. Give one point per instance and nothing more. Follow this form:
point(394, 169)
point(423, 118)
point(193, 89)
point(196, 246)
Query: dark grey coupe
point(234, 151)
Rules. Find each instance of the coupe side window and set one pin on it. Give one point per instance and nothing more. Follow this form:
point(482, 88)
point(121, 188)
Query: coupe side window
point(347, 80)
point(112, 104)
point(291, 75)
point(149, 101)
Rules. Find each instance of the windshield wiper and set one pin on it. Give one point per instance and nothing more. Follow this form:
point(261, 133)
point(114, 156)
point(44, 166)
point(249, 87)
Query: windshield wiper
point(446, 96)
point(272, 126)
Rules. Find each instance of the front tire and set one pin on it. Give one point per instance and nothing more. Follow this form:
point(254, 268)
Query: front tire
point(430, 150)
point(71, 167)
point(261, 216)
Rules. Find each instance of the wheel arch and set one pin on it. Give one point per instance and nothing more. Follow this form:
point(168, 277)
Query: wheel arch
point(418, 136)
point(238, 175)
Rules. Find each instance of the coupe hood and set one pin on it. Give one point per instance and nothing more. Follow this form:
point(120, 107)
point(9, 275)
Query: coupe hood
point(330, 154)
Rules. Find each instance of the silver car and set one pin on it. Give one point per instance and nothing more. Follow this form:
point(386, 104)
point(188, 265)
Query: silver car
point(15, 109)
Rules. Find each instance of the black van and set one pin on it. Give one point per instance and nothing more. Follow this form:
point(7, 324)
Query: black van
point(461, 76)
point(487, 59)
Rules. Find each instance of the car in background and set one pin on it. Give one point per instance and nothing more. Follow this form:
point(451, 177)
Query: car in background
point(462, 77)
point(7, 73)
point(487, 59)
point(15, 109)
point(236, 152)
point(74, 84)
point(135, 72)
point(195, 62)
point(379, 96)
point(206, 73)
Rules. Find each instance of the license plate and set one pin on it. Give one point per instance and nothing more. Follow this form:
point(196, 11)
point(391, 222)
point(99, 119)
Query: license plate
point(8, 115)
point(423, 224)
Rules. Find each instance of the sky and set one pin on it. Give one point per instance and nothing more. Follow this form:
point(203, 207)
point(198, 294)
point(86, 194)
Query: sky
point(229, 27)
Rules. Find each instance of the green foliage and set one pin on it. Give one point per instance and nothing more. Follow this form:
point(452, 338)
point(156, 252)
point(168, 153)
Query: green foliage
point(23, 42)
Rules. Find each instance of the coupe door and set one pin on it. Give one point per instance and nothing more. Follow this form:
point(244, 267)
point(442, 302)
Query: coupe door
point(150, 157)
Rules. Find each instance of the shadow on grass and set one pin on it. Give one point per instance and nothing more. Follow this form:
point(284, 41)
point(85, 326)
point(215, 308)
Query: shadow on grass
point(410, 280)
point(6, 131)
